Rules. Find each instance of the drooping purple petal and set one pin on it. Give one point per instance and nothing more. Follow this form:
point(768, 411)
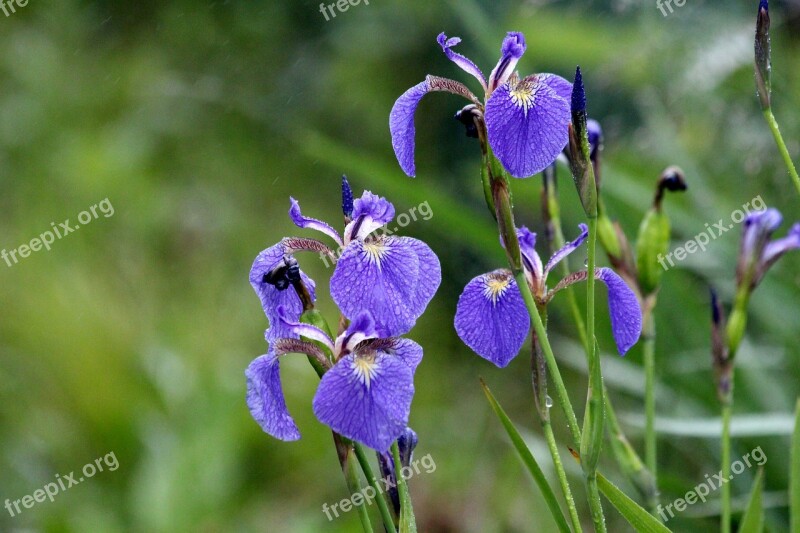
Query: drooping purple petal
point(370, 212)
point(510, 52)
point(407, 350)
point(527, 125)
point(430, 274)
point(756, 232)
point(297, 329)
point(465, 64)
point(623, 306)
point(559, 85)
point(312, 223)
point(775, 249)
point(378, 277)
point(271, 297)
point(531, 259)
point(401, 126)
point(567, 248)
point(367, 398)
point(393, 278)
point(265, 398)
point(491, 317)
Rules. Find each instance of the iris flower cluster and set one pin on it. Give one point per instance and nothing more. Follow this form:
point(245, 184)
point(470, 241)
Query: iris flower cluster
point(381, 285)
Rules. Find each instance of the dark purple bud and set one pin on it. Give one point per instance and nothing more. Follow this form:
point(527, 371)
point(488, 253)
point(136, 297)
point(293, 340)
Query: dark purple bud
point(468, 116)
point(347, 198)
point(578, 93)
point(672, 179)
point(763, 64)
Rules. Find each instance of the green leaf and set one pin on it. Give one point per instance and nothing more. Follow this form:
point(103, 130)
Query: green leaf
point(641, 520)
point(408, 523)
point(753, 519)
point(527, 458)
point(794, 481)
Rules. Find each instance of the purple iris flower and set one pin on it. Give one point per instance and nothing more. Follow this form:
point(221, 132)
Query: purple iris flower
point(526, 119)
point(394, 278)
point(757, 252)
point(365, 396)
point(491, 317)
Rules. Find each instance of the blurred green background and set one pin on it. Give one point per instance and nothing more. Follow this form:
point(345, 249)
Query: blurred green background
point(197, 120)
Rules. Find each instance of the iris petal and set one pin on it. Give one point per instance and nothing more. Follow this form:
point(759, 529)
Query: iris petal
point(272, 298)
point(491, 317)
point(623, 306)
point(265, 398)
point(527, 125)
point(366, 398)
point(510, 52)
point(401, 126)
point(567, 249)
point(370, 212)
point(463, 63)
point(312, 223)
point(393, 278)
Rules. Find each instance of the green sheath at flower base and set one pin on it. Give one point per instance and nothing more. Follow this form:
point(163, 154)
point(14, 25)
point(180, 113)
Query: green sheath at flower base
point(607, 236)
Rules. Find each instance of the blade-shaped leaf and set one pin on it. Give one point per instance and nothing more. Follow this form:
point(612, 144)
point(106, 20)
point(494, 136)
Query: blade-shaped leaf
point(407, 522)
point(527, 458)
point(641, 520)
point(753, 519)
point(794, 482)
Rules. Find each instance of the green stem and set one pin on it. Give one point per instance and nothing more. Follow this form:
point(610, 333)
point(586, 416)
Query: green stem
point(595, 505)
point(650, 395)
point(552, 365)
point(562, 476)
point(354, 486)
point(787, 158)
point(725, 524)
point(380, 498)
point(594, 415)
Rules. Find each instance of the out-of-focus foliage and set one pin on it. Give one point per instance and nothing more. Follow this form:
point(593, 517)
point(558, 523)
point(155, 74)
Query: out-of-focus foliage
point(197, 120)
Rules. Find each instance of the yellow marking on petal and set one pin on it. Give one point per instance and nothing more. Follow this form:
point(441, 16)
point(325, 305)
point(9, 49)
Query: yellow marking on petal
point(495, 287)
point(365, 369)
point(523, 95)
point(376, 250)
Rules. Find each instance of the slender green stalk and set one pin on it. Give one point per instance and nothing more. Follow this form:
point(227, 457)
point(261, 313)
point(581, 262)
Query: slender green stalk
point(354, 486)
point(562, 475)
point(787, 158)
point(552, 365)
point(380, 499)
point(650, 395)
point(725, 523)
point(543, 404)
point(594, 416)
